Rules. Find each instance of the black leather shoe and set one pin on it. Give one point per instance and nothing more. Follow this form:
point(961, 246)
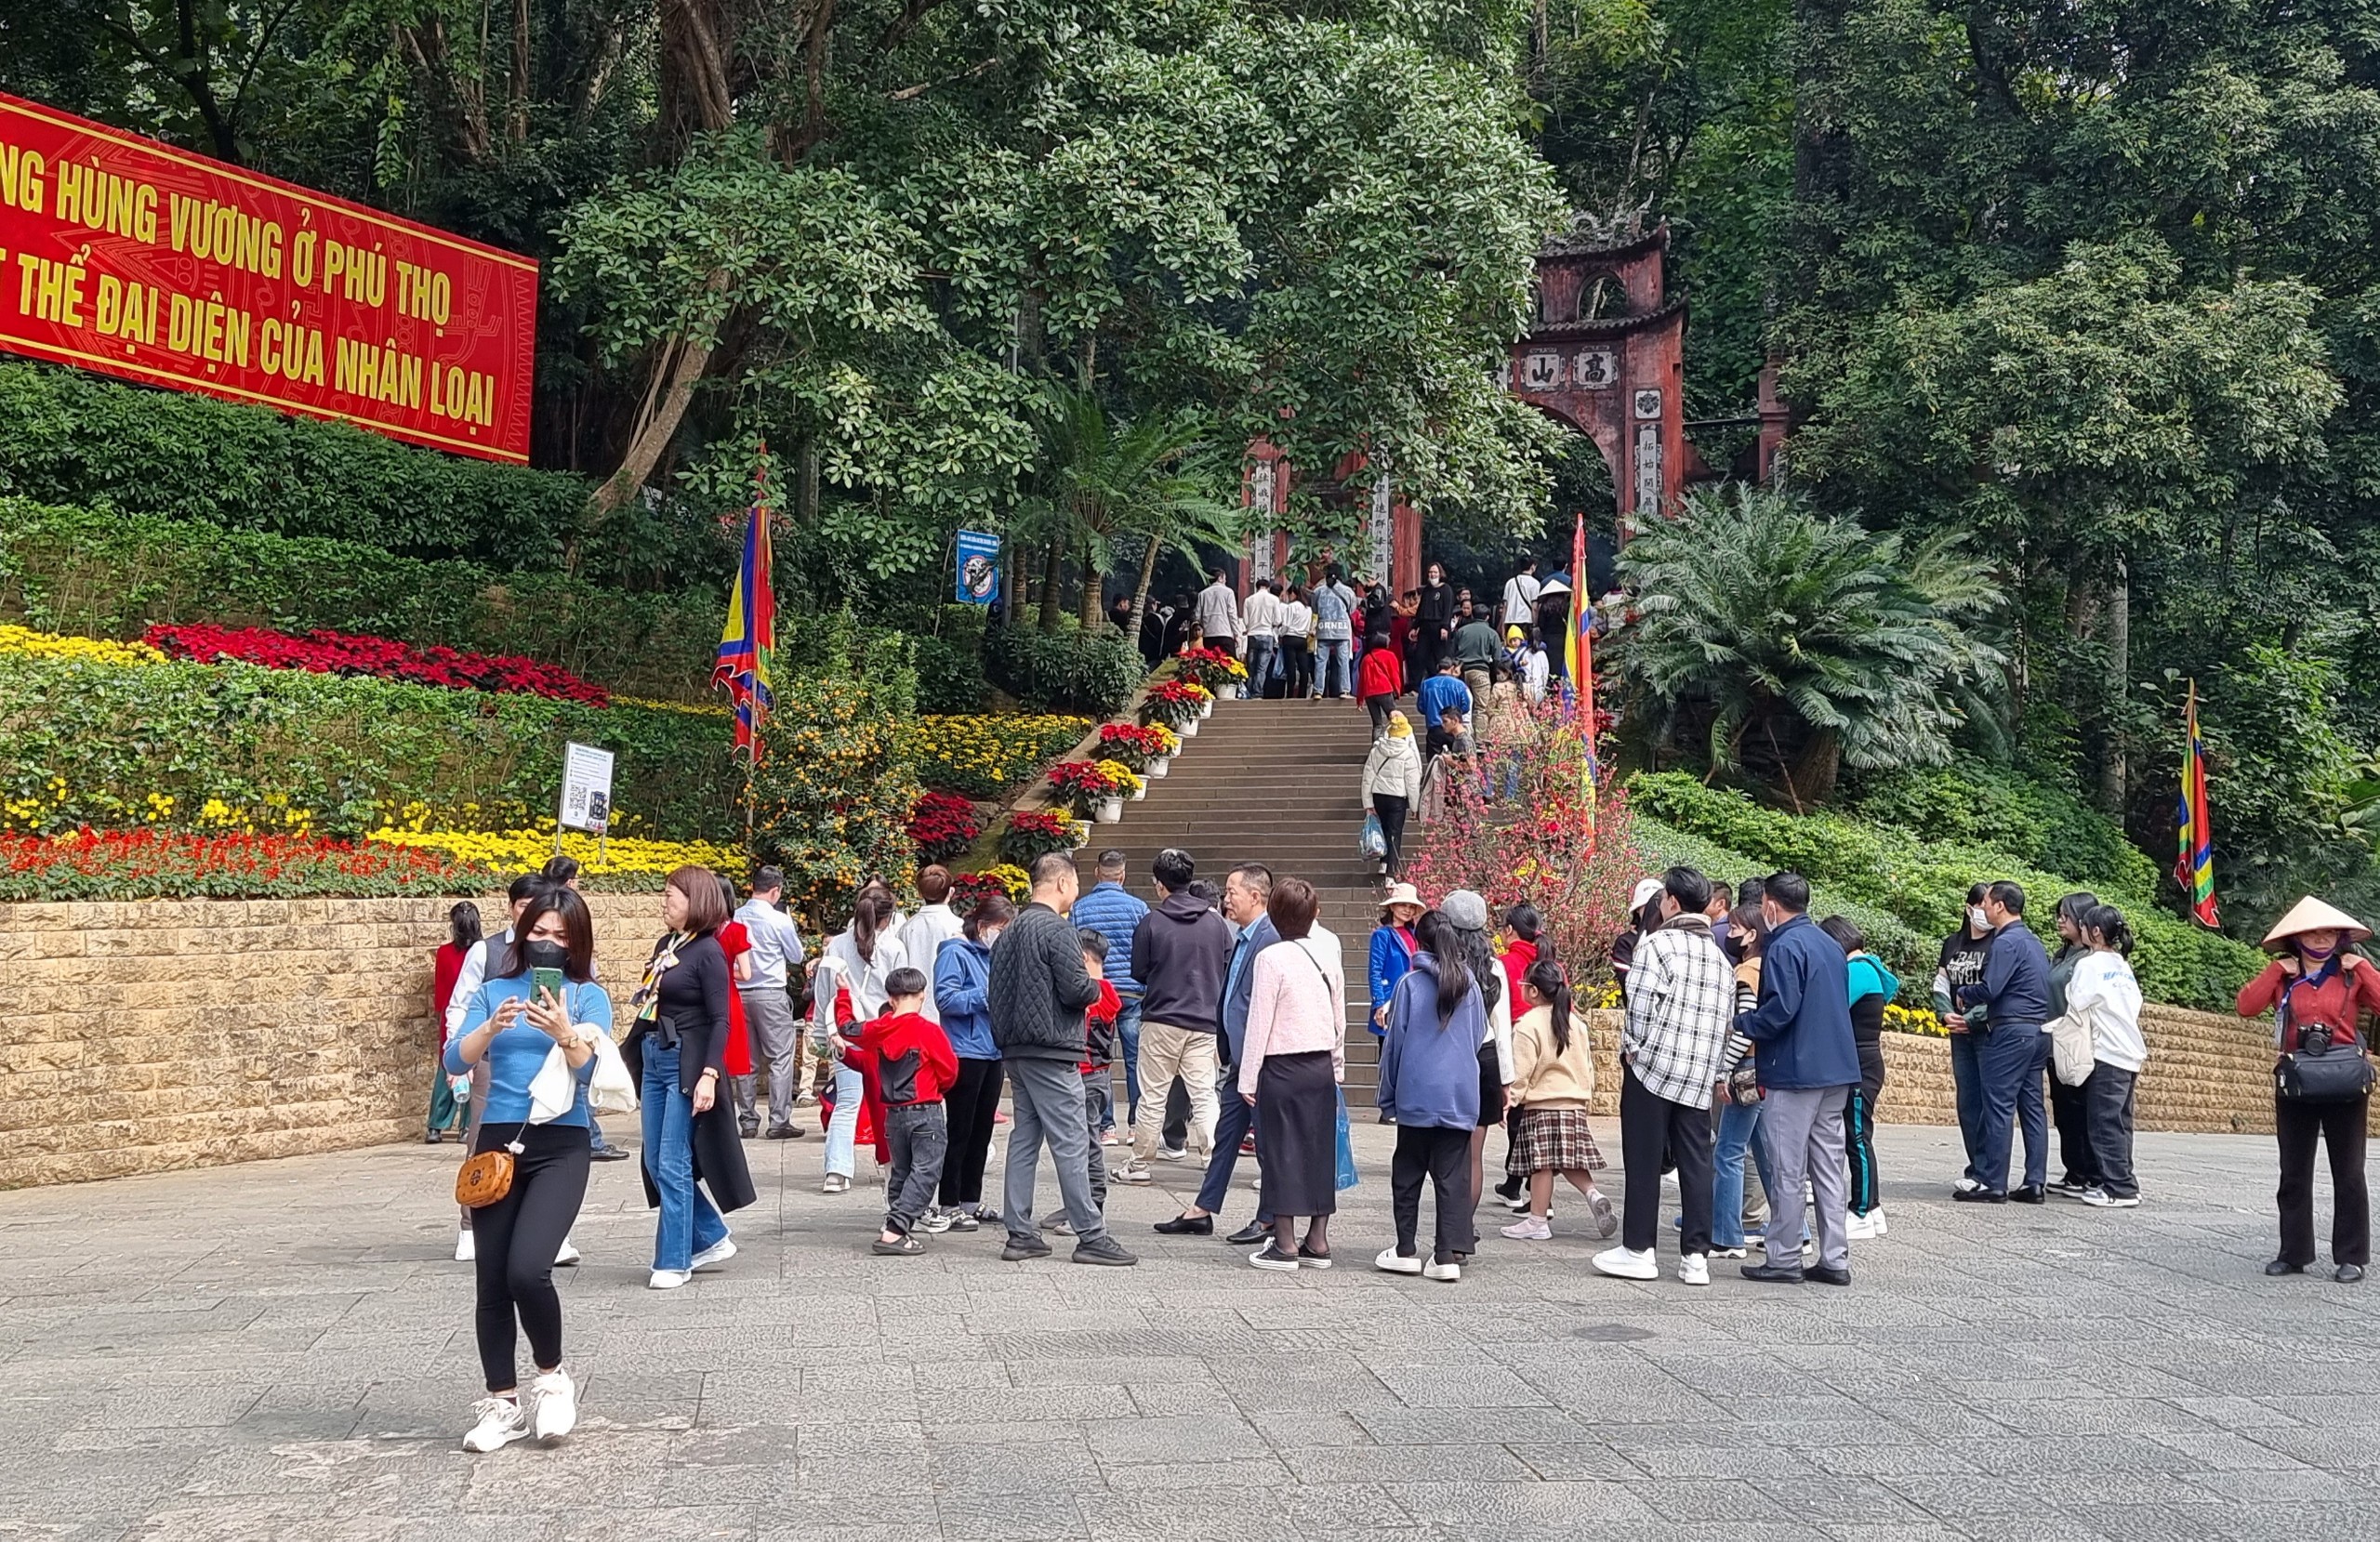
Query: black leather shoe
point(1249, 1235)
point(1186, 1226)
point(2030, 1193)
point(787, 1132)
point(1822, 1274)
point(2350, 1273)
point(1980, 1196)
point(2283, 1266)
point(609, 1154)
point(1771, 1273)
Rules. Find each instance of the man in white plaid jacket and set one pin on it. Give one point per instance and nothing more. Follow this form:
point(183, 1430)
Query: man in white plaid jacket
point(1681, 1005)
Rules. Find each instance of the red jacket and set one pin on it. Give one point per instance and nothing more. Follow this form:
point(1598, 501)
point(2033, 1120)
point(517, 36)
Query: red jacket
point(2332, 997)
point(736, 1059)
point(1099, 1031)
point(1380, 674)
point(910, 1059)
point(445, 970)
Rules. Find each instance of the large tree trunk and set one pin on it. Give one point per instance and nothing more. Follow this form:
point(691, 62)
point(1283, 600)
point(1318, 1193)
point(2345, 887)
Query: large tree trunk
point(1810, 781)
point(1094, 591)
point(1133, 627)
point(2113, 774)
point(1054, 579)
point(674, 376)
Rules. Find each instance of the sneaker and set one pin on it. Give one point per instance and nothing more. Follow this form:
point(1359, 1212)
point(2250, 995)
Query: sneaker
point(1021, 1249)
point(1877, 1216)
point(1606, 1221)
point(1443, 1270)
point(785, 1132)
point(1103, 1250)
point(1059, 1226)
point(466, 1249)
point(936, 1222)
point(1727, 1252)
point(497, 1422)
point(1694, 1269)
point(566, 1255)
point(557, 1404)
point(1107, 1137)
point(1965, 1186)
point(1517, 1206)
point(988, 1215)
point(2100, 1199)
point(1859, 1228)
point(749, 1129)
point(1509, 1189)
point(1309, 1259)
point(668, 1279)
point(836, 1183)
point(963, 1221)
point(806, 1099)
point(608, 1153)
point(1390, 1261)
point(2072, 1187)
point(431, 1138)
point(1172, 1154)
point(1271, 1257)
point(1528, 1228)
point(712, 1256)
point(1626, 1263)
point(1133, 1172)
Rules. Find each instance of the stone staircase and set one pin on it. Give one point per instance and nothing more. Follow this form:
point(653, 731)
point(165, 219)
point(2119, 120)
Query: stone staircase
point(1271, 781)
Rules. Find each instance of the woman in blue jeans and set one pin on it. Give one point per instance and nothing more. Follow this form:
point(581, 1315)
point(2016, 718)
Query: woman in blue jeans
point(849, 990)
point(675, 1052)
point(1739, 1122)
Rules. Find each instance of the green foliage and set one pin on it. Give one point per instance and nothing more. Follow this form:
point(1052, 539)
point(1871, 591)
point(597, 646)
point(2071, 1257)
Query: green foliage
point(1091, 672)
point(69, 438)
point(2049, 828)
point(831, 802)
point(97, 745)
point(1924, 883)
point(950, 678)
point(92, 573)
point(1806, 640)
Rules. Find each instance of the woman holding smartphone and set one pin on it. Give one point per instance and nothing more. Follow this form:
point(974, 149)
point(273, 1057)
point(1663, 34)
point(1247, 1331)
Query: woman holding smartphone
point(537, 1012)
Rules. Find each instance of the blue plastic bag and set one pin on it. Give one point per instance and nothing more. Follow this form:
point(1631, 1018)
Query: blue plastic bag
point(1345, 1178)
point(1373, 842)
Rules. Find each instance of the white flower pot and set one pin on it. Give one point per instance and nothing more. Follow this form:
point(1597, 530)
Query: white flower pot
point(1107, 810)
point(1187, 728)
point(1140, 789)
point(1207, 707)
point(1230, 693)
point(1081, 828)
point(1161, 764)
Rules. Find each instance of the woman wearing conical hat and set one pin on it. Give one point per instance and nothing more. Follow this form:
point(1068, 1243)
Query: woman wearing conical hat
point(2316, 983)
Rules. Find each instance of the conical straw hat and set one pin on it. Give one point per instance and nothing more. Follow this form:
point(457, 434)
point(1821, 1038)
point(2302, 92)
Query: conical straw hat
point(2311, 914)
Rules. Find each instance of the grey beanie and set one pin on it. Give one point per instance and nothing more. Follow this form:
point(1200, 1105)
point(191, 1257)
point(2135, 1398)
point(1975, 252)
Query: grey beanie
point(1465, 909)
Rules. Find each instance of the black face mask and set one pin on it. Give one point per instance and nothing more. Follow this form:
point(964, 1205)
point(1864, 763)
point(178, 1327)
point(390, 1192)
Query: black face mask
point(542, 955)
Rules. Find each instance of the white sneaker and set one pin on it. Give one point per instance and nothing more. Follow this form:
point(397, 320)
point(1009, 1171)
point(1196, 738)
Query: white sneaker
point(1693, 1269)
point(466, 1249)
point(1528, 1228)
point(936, 1222)
point(1437, 1268)
point(1717, 1252)
point(712, 1256)
point(500, 1422)
point(1391, 1261)
point(1876, 1217)
point(836, 1183)
point(557, 1404)
point(2100, 1199)
point(566, 1255)
point(1133, 1172)
point(668, 1279)
point(1626, 1263)
point(1859, 1228)
point(1172, 1154)
point(1965, 1186)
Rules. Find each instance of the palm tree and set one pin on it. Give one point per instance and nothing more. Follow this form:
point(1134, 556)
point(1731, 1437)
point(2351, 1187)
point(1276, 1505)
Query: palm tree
point(1103, 482)
point(1812, 642)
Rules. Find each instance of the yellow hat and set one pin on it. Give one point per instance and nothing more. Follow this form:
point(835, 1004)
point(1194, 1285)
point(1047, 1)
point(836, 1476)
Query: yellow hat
point(1514, 634)
point(1398, 728)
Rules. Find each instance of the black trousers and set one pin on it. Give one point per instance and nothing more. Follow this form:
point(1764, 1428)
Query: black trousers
point(516, 1239)
point(1297, 666)
point(1391, 810)
point(1648, 1124)
point(2340, 1126)
point(2070, 1109)
point(2107, 1108)
point(973, 1101)
point(1444, 1157)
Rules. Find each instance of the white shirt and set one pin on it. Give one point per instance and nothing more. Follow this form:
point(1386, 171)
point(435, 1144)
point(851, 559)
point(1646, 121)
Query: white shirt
point(474, 975)
point(840, 963)
point(2104, 993)
point(1520, 600)
point(1534, 670)
point(776, 943)
point(922, 936)
point(1297, 618)
point(1218, 613)
point(1262, 615)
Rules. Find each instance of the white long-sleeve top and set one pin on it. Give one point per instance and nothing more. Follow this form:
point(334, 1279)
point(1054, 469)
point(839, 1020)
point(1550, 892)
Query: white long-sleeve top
point(2104, 993)
point(1297, 1003)
point(840, 963)
point(467, 983)
point(1393, 766)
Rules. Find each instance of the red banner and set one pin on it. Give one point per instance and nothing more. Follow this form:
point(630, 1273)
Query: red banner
point(121, 255)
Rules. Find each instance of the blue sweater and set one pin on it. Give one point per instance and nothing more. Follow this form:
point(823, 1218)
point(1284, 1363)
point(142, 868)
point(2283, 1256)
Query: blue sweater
point(961, 971)
point(1441, 692)
point(1429, 1076)
point(1391, 959)
point(2016, 979)
point(1111, 911)
point(516, 1055)
point(1802, 1025)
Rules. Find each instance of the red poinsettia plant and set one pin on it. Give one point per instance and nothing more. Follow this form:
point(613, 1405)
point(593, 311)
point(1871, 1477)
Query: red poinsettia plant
point(942, 825)
point(1083, 783)
point(1034, 832)
point(1209, 667)
point(1133, 744)
point(382, 658)
point(1174, 702)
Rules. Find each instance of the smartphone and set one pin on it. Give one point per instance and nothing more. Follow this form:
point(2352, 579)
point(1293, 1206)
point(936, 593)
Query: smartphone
point(545, 979)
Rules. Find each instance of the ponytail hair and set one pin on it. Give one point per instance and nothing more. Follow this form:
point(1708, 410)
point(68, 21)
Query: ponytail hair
point(1546, 979)
point(1524, 922)
point(1438, 938)
point(867, 921)
point(2109, 922)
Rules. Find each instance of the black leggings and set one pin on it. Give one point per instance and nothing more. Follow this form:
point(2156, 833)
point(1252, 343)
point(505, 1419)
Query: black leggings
point(1391, 810)
point(516, 1239)
point(1379, 705)
point(1444, 1157)
point(971, 1104)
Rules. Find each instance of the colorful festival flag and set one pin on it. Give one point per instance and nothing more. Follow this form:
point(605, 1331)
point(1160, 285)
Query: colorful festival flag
point(1578, 654)
point(2194, 869)
point(747, 644)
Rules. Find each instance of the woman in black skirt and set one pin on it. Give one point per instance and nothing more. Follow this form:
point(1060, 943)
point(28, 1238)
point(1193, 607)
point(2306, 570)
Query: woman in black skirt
point(1293, 1055)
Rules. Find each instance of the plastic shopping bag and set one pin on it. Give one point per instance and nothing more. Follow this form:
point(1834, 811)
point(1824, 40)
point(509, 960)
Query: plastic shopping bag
point(1345, 1178)
point(1372, 842)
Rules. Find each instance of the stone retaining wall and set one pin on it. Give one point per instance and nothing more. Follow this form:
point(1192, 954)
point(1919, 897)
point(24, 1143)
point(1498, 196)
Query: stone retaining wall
point(140, 1037)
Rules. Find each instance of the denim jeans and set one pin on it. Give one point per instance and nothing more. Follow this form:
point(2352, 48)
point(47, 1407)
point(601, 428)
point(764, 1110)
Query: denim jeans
point(1232, 1126)
point(1260, 664)
point(1966, 1085)
point(1128, 1049)
point(1334, 670)
point(842, 1131)
point(1739, 1133)
point(690, 1222)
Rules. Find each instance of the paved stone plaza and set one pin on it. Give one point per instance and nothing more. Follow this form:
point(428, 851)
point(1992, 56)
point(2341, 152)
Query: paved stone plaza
point(284, 1350)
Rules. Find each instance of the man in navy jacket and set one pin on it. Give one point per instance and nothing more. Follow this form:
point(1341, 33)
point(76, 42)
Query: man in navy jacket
point(1245, 891)
point(1809, 1062)
point(2007, 1011)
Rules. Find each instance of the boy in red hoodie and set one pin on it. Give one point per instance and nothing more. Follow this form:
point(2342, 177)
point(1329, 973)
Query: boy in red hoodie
point(1098, 1062)
point(912, 1066)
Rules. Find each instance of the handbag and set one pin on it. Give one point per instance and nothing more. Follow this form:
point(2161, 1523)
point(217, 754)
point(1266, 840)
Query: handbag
point(2335, 1070)
point(487, 1176)
point(611, 1089)
point(2072, 1051)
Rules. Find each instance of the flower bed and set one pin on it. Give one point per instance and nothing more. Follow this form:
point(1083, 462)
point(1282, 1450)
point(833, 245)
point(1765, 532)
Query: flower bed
point(1006, 879)
point(515, 851)
point(987, 756)
point(29, 643)
point(148, 864)
point(1031, 833)
point(942, 824)
point(1133, 745)
point(377, 658)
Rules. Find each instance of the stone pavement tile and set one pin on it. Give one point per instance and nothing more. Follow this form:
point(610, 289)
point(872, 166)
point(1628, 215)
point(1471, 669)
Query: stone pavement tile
point(1286, 1429)
point(245, 1519)
point(1161, 1399)
point(1575, 1462)
point(2252, 1487)
point(1030, 1515)
point(1239, 1475)
point(984, 1437)
point(1110, 1371)
point(711, 1521)
point(1497, 1509)
point(2222, 1451)
point(2063, 1418)
point(1888, 1461)
point(620, 1471)
point(1935, 1420)
point(1890, 1531)
point(1175, 1439)
point(735, 1446)
point(1456, 1385)
point(1350, 1464)
point(1486, 1422)
point(1207, 1515)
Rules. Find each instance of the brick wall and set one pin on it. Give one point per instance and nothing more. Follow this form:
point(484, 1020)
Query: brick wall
point(140, 1037)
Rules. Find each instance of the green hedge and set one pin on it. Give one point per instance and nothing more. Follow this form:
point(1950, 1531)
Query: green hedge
point(1924, 883)
point(83, 743)
point(2053, 830)
point(1093, 673)
point(90, 573)
point(71, 438)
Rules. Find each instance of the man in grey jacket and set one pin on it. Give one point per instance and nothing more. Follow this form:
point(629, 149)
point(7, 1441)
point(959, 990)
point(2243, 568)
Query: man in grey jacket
point(1037, 993)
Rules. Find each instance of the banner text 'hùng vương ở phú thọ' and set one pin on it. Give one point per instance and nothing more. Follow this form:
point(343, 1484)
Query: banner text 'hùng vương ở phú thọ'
point(125, 255)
